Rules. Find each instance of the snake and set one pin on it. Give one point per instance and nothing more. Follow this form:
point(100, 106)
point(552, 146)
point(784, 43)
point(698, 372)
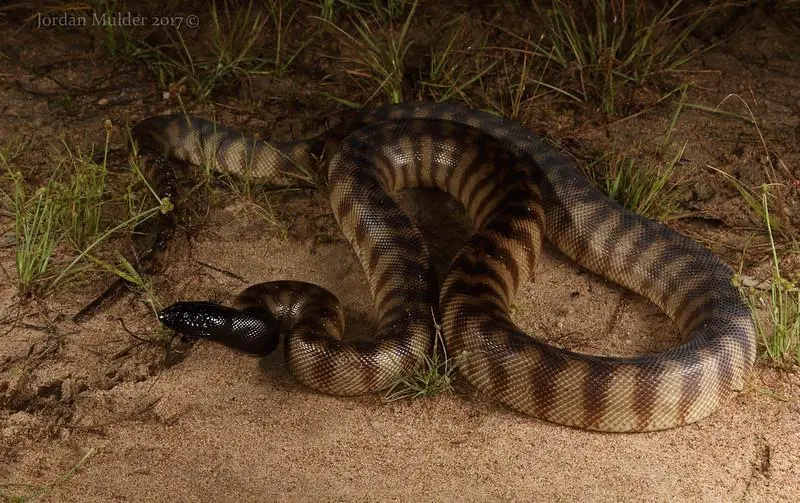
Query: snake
point(517, 190)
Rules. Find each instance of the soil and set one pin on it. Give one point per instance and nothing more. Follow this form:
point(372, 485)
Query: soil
point(90, 412)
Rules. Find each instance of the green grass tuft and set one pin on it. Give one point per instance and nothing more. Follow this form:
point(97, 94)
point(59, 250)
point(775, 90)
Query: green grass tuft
point(36, 224)
point(648, 188)
point(433, 377)
point(59, 224)
point(84, 193)
point(609, 44)
point(782, 346)
point(379, 54)
point(229, 57)
point(457, 65)
point(243, 42)
point(644, 188)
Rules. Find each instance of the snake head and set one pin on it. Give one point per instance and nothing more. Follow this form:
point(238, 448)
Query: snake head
point(253, 330)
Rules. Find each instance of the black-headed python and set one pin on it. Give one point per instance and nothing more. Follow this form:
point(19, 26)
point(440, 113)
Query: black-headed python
point(515, 187)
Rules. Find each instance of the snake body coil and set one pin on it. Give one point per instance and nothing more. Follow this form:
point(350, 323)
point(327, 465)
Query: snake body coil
point(515, 187)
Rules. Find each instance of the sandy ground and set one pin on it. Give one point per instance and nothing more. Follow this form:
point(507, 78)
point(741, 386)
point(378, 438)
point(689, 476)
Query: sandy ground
point(221, 426)
point(88, 413)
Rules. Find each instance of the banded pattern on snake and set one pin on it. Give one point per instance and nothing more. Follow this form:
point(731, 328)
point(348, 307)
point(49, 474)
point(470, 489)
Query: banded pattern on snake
point(515, 187)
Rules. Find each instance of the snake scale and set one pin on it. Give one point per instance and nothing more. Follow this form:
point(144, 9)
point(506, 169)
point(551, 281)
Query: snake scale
point(516, 189)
